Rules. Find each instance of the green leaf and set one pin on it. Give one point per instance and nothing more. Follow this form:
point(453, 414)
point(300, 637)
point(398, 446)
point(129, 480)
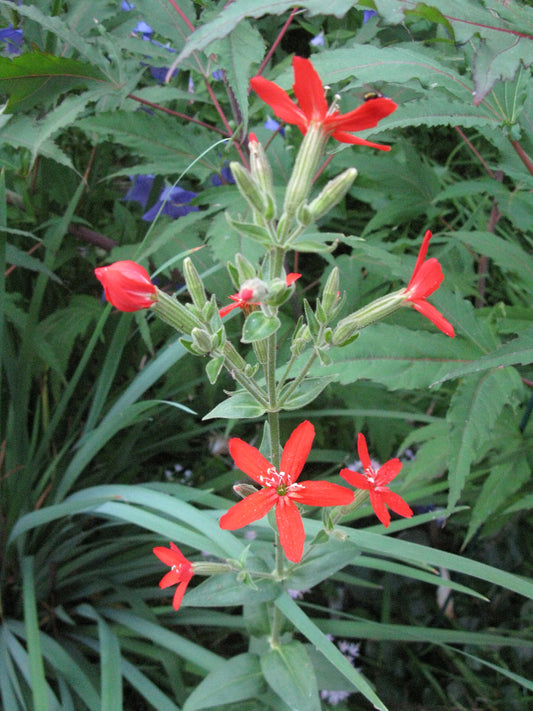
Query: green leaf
point(259, 326)
point(504, 479)
point(307, 391)
point(474, 408)
point(321, 562)
point(20, 258)
point(213, 369)
point(237, 679)
point(227, 590)
point(310, 630)
point(239, 406)
point(31, 79)
point(23, 132)
point(236, 54)
point(232, 15)
point(289, 672)
point(39, 686)
point(250, 230)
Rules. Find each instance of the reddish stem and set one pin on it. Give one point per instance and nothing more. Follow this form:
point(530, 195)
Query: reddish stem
point(278, 39)
point(175, 113)
point(526, 160)
point(475, 152)
point(182, 15)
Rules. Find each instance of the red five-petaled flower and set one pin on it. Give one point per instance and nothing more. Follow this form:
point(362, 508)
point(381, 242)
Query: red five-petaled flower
point(280, 489)
point(245, 297)
point(181, 571)
point(127, 285)
point(312, 106)
point(427, 277)
point(375, 482)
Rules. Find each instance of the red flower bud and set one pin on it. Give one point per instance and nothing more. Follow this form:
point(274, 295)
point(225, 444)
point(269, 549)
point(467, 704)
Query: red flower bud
point(127, 285)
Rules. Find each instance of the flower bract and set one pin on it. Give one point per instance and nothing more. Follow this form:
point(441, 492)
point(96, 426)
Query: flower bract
point(376, 483)
point(180, 573)
point(426, 278)
point(281, 489)
point(127, 285)
point(311, 106)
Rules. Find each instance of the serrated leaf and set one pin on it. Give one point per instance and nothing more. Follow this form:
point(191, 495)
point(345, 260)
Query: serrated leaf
point(232, 15)
point(237, 679)
point(307, 391)
point(166, 21)
point(259, 326)
point(31, 79)
point(474, 408)
point(289, 672)
point(236, 54)
point(519, 351)
point(503, 480)
point(23, 132)
point(238, 406)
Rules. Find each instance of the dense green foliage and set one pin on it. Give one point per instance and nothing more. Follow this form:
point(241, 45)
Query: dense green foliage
point(103, 449)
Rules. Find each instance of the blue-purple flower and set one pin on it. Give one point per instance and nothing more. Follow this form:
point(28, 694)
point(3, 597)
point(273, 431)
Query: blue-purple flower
point(127, 6)
point(13, 39)
point(367, 14)
point(140, 190)
point(218, 75)
point(318, 40)
point(223, 177)
point(174, 202)
point(144, 29)
point(272, 125)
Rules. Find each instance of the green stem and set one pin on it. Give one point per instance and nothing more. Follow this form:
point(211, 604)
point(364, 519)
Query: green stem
point(296, 382)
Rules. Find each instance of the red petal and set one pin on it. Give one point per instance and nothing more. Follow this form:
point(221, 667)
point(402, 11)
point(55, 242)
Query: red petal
point(428, 279)
point(290, 528)
point(291, 278)
point(421, 256)
point(126, 285)
point(388, 471)
point(249, 460)
point(296, 451)
point(280, 102)
point(356, 479)
point(250, 509)
point(368, 115)
point(321, 493)
point(170, 578)
point(178, 595)
point(397, 504)
point(435, 316)
point(172, 556)
point(344, 137)
point(363, 452)
point(379, 507)
point(308, 89)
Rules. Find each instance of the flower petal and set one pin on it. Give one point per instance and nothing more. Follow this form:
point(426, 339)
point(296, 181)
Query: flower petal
point(388, 471)
point(178, 595)
point(308, 90)
point(170, 578)
point(280, 102)
point(250, 509)
point(421, 256)
point(170, 556)
point(344, 137)
point(291, 278)
point(249, 460)
point(321, 493)
point(396, 503)
point(368, 115)
point(290, 528)
point(126, 285)
point(356, 479)
point(362, 449)
point(376, 500)
point(428, 279)
point(296, 451)
point(434, 315)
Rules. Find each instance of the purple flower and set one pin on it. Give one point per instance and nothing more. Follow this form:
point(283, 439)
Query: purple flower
point(140, 190)
point(218, 75)
point(224, 177)
point(127, 6)
point(12, 38)
point(173, 201)
point(273, 125)
point(367, 14)
point(144, 29)
point(317, 41)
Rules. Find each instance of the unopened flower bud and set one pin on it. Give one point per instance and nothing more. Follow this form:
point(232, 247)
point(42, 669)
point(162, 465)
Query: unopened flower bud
point(304, 215)
point(348, 327)
point(260, 166)
point(243, 490)
point(330, 295)
point(254, 290)
point(201, 340)
point(194, 284)
point(332, 194)
point(245, 268)
point(249, 188)
point(174, 313)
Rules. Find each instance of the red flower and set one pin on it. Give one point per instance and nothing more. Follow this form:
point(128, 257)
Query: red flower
point(281, 490)
point(127, 285)
point(426, 278)
point(375, 482)
point(312, 106)
point(243, 299)
point(181, 571)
